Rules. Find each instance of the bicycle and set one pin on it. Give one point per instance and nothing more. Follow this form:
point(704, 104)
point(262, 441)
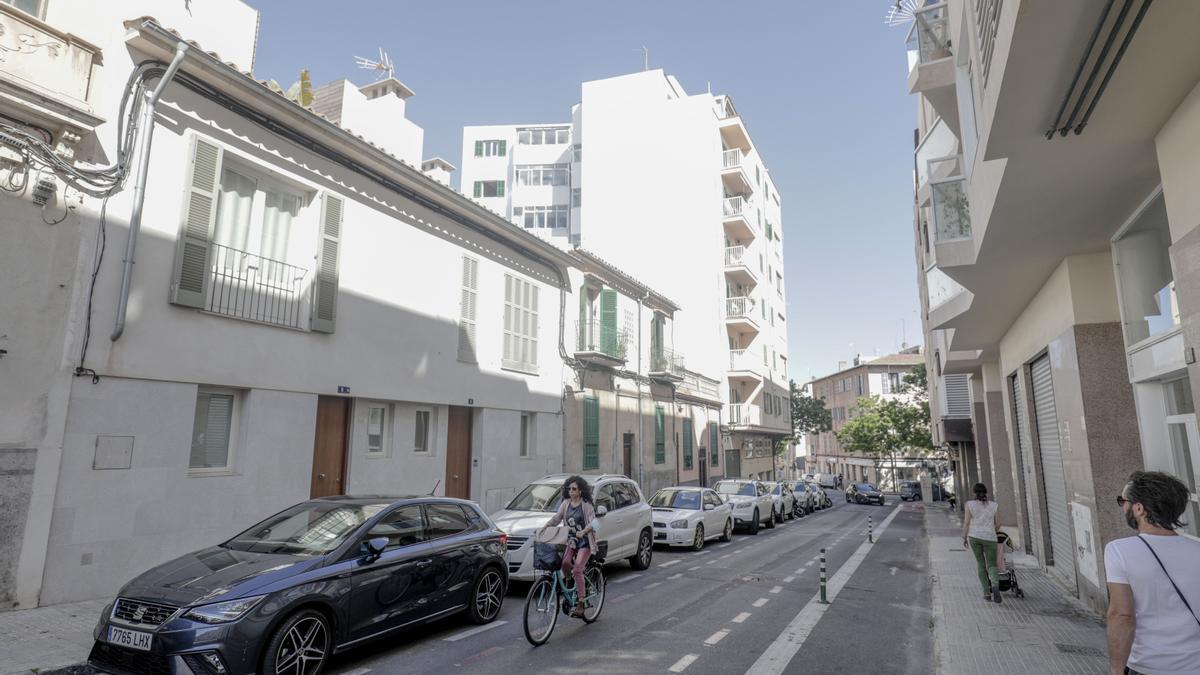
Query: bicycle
point(550, 594)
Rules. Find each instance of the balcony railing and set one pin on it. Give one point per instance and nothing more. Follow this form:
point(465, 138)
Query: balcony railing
point(939, 142)
point(248, 286)
point(735, 255)
point(929, 38)
point(736, 206)
point(668, 363)
point(598, 337)
point(723, 108)
point(34, 52)
point(699, 385)
point(743, 414)
point(732, 158)
point(948, 195)
point(940, 287)
point(739, 307)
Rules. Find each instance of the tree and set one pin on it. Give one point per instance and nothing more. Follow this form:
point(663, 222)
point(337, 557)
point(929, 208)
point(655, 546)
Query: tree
point(809, 415)
point(887, 428)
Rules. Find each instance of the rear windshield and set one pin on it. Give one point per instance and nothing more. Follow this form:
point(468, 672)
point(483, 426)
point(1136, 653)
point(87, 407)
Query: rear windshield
point(676, 499)
point(744, 489)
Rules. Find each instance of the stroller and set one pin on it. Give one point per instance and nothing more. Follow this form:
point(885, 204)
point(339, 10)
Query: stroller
point(1006, 577)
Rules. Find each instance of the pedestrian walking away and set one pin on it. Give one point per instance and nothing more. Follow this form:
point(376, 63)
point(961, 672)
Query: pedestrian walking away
point(979, 534)
point(1153, 586)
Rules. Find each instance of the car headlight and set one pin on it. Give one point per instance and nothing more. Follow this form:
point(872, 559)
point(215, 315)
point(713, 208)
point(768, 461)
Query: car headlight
point(742, 506)
point(223, 612)
point(680, 524)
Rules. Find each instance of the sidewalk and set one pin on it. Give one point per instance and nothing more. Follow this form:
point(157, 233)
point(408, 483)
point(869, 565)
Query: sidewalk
point(47, 638)
point(1047, 631)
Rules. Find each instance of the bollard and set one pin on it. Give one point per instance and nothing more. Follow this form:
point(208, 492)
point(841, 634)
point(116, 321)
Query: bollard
point(823, 600)
point(870, 531)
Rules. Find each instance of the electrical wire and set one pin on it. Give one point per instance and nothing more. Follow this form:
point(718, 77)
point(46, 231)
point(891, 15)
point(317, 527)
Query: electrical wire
point(101, 241)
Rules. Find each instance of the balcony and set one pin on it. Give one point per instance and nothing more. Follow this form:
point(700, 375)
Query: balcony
point(743, 365)
point(733, 173)
point(733, 131)
point(254, 288)
point(600, 343)
point(947, 298)
point(950, 213)
point(930, 59)
point(739, 314)
point(742, 415)
point(667, 366)
point(735, 213)
point(737, 268)
point(938, 144)
point(696, 385)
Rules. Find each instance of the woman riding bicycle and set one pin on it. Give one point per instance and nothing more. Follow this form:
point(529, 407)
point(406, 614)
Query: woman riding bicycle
point(577, 511)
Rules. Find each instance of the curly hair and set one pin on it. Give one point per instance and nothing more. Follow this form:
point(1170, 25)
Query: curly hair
point(585, 491)
point(1162, 495)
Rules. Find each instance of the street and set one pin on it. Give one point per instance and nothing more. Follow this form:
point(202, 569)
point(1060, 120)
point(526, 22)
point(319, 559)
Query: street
point(729, 608)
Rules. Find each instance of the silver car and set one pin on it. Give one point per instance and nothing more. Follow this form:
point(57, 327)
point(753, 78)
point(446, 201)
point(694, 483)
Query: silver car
point(751, 501)
point(783, 501)
point(625, 531)
point(689, 516)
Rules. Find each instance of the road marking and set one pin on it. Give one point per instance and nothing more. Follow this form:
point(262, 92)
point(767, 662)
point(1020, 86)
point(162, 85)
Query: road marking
point(693, 569)
point(703, 552)
point(903, 539)
point(724, 556)
point(716, 637)
point(893, 570)
point(760, 602)
point(649, 586)
point(357, 671)
point(711, 561)
point(801, 570)
point(810, 563)
point(469, 632)
point(740, 618)
point(777, 589)
point(724, 545)
point(817, 556)
point(668, 564)
point(774, 660)
point(623, 579)
point(675, 576)
point(788, 580)
point(683, 663)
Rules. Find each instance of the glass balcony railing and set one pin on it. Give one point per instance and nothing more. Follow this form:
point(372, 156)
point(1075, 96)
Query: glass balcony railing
point(929, 38)
point(948, 195)
point(939, 142)
point(940, 287)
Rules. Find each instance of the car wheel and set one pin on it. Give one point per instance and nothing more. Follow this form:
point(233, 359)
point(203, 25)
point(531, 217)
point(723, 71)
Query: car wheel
point(771, 519)
point(881, 502)
point(645, 552)
point(698, 538)
point(754, 523)
point(488, 596)
point(847, 499)
point(301, 644)
point(727, 535)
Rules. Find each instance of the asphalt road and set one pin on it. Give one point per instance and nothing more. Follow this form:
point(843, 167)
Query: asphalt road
point(750, 605)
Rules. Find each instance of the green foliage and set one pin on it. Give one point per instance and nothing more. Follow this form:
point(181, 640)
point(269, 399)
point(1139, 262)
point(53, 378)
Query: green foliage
point(300, 93)
point(887, 428)
point(809, 415)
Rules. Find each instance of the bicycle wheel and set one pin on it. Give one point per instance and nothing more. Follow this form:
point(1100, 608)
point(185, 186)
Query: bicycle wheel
point(593, 579)
point(541, 611)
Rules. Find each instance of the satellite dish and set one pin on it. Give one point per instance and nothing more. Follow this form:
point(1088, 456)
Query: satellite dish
point(901, 12)
point(383, 67)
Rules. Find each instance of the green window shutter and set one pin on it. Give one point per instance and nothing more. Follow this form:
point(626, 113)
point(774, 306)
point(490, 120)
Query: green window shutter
point(584, 330)
point(478, 188)
point(591, 433)
point(325, 288)
point(479, 148)
point(656, 344)
point(687, 442)
point(500, 188)
point(714, 442)
point(660, 435)
point(608, 321)
point(192, 274)
point(503, 148)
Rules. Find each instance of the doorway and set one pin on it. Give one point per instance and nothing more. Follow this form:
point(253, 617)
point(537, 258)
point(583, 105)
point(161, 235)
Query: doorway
point(329, 446)
point(458, 453)
point(627, 453)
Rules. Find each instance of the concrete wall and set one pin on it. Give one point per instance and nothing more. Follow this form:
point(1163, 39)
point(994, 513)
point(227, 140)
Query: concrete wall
point(498, 471)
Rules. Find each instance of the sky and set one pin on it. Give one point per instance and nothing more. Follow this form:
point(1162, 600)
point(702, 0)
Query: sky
point(820, 85)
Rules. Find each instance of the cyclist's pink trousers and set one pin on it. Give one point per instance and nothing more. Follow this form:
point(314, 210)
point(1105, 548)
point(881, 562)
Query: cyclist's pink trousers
point(581, 557)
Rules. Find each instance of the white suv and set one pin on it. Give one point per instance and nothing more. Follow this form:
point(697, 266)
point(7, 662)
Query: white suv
point(751, 501)
point(624, 531)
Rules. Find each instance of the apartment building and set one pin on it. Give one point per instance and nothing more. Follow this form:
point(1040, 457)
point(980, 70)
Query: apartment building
point(709, 233)
point(865, 376)
point(1055, 230)
point(308, 314)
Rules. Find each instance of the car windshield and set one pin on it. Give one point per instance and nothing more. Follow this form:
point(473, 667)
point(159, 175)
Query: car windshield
point(744, 489)
point(866, 486)
point(537, 497)
point(311, 528)
point(676, 499)
point(777, 490)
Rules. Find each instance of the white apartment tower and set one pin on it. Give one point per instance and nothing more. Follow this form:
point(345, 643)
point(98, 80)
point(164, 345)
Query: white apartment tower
point(669, 187)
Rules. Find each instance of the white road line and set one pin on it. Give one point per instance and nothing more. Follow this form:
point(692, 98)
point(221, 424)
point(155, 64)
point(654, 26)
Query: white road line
point(740, 618)
point(693, 569)
point(777, 589)
point(675, 576)
point(716, 637)
point(760, 602)
point(724, 556)
point(810, 563)
point(468, 633)
point(817, 556)
point(649, 586)
point(774, 660)
point(893, 571)
point(724, 545)
point(711, 561)
point(669, 563)
point(801, 570)
point(683, 663)
point(357, 671)
point(788, 580)
point(623, 579)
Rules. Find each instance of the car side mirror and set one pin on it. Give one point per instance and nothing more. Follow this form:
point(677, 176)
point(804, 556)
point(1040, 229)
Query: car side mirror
point(601, 511)
point(375, 546)
point(709, 507)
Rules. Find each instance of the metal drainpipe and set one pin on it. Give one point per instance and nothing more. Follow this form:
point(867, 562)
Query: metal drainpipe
point(641, 426)
point(675, 436)
point(139, 187)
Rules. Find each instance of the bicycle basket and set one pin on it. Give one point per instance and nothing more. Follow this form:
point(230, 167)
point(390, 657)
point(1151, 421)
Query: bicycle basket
point(547, 557)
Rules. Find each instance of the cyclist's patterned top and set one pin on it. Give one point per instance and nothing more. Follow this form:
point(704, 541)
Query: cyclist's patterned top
point(589, 514)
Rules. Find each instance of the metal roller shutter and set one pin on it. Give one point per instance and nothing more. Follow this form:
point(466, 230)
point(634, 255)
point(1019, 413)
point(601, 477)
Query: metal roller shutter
point(1025, 460)
point(1052, 469)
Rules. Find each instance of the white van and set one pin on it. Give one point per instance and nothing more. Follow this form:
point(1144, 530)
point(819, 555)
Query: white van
point(827, 480)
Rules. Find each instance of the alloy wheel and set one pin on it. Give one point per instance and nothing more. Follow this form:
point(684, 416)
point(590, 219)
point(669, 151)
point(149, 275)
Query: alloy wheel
point(488, 595)
point(698, 539)
point(303, 648)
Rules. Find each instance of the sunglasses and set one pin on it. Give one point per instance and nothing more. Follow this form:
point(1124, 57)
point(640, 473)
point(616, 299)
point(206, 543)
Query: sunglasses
point(1121, 501)
point(574, 487)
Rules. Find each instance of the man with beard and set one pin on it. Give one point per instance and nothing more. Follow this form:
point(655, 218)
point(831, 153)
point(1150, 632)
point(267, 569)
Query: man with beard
point(1153, 582)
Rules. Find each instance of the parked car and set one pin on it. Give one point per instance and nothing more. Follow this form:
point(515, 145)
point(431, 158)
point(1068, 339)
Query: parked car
point(783, 501)
point(310, 581)
point(827, 481)
point(820, 497)
point(625, 533)
point(910, 489)
point(751, 502)
point(805, 499)
point(689, 516)
point(863, 493)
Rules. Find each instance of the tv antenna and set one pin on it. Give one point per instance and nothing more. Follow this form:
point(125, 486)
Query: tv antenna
point(383, 67)
point(901, 12)
point(645, 56)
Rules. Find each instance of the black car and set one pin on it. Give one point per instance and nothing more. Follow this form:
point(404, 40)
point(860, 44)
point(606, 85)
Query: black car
point(910, 489)
point(310, 581)
point(863, 493)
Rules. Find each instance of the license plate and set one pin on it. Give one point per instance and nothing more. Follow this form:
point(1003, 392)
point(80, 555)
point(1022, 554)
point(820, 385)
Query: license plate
point(129, 638)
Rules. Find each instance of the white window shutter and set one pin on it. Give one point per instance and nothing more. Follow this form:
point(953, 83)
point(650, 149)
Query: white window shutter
point(466, 318)
point(325, 286)
point(192, 274)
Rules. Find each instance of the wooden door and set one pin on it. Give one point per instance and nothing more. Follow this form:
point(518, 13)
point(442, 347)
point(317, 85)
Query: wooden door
point(628, 448)
point(458, 453)
point(329, 446)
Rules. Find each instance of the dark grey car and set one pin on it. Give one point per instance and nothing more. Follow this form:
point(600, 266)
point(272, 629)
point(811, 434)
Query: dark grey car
point(308, 582)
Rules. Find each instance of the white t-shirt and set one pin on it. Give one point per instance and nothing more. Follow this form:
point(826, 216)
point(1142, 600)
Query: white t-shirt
point(1166, 638)
point(983, 520)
